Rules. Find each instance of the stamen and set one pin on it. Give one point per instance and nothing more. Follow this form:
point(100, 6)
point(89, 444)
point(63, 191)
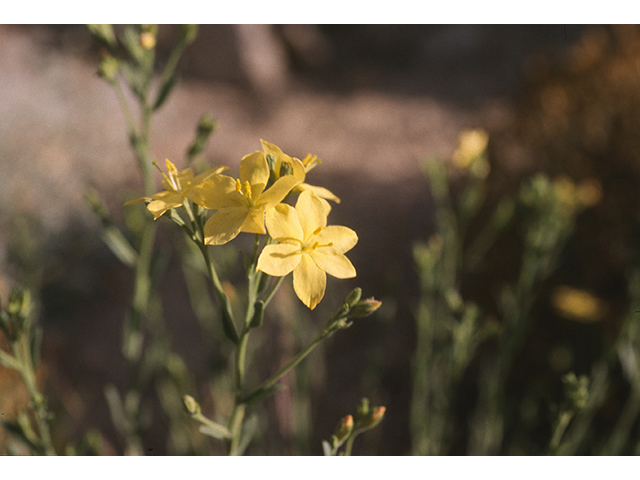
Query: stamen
point(245, 190)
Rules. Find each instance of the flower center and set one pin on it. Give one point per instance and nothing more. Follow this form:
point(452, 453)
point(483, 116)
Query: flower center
point(310, 245)
point(172, 179)
point(245, 190)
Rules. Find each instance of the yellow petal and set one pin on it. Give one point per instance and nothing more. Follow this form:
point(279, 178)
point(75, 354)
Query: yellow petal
point(198, 179)
point(312, 213)
point(334, 264)
point(279, 260)
point(164, 201)
point(270, 148)
point(309, 282)
point(137, 200)
point(224, 225)
point(216, 193)
point(276, 193)
point(342, 238)
point(254, 169)
point(254, 223)
point(319, 192)
point(282, 223)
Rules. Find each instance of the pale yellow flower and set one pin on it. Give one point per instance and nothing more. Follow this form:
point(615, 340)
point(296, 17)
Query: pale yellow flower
point(178, 186)
point(470, 154)
point(309, 162)
point(307, 247)
point(577, 304)
point(241, 203)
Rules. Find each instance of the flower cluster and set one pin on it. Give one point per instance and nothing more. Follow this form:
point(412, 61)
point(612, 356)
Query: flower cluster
point(300, 240)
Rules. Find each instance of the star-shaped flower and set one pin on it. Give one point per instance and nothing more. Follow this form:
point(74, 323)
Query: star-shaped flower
point(241, 203)
point(307, 247)
point(177, 187)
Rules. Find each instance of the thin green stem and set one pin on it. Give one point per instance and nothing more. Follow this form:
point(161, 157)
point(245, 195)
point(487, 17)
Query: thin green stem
point(349, 445)
point(23, 356)
point(288, 367)
point(273, 291)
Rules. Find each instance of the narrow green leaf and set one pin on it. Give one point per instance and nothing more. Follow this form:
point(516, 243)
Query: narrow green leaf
point(165, 90)
point(249, 430)
point(215, 430)
point(120, 246)
point(263, 393)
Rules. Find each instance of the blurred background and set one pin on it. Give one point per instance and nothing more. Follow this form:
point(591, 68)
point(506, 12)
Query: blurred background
point(372, 101)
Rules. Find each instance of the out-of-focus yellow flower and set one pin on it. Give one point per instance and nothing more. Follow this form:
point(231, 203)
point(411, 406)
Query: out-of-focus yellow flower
point(147, 40)
point(178, 186)
point(585, 194)
point(307, 247)
point(309, 162)
point(577, 304)
point(469, 155)
point(241, 203)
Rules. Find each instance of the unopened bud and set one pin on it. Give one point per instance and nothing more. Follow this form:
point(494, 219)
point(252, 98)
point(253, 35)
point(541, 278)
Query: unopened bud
point(190, 404)
point(344, 427)
point(285, 169)
point(353, 297)
point(363, 410)
point(271, 162)
point(19, 303)
point(378, 414)
point(364, 308)
point(109, 67)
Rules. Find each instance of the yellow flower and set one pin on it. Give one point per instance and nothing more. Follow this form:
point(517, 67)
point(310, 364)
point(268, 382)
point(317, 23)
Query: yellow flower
point(241, 203)
point(309, 162)
point(470, 154)
point(178, 186)
point(307, 246)
point(577, 304)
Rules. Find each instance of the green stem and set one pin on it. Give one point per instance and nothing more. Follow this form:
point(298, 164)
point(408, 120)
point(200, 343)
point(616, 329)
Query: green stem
point(349, 445)
point(287, 368)
point(237, 415)
point(227, 313)
point(273, 291)
point(22, 352)
point(561, 427)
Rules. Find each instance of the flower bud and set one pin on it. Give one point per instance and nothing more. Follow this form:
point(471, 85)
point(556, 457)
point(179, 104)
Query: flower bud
point(19, 303)
point(364, 308)
point(363, 410)
point(191, 406)
point(344, 428)
point(285, 169)
point(109, 67)
point(353, 297)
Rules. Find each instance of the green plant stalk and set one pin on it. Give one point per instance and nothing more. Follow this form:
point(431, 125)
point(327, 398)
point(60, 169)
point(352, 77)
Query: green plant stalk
point(429, 416)
point(329, 330)
point(349, 445)
point(237, 414)
point(22, 363)
point(139, 138)
point(563, 422)
point(422, 439)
